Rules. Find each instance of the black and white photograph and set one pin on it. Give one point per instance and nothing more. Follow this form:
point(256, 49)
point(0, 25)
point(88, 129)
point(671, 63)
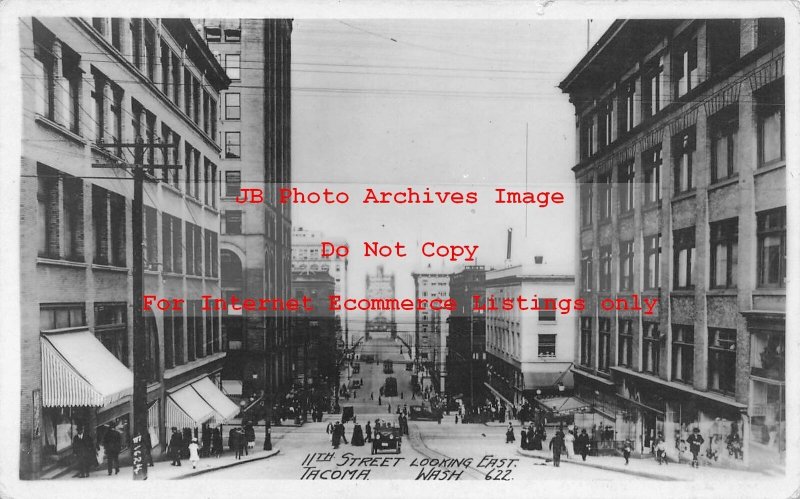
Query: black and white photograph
point(287, 249)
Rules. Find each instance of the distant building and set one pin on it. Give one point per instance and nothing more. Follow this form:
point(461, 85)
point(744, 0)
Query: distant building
point(314, 331)
point(255, 247)
point(380, 323)
point(681, 173)
point(530, 352)
point(89, 86)
point(306, 257)
point(466, 339)
point(431, 326)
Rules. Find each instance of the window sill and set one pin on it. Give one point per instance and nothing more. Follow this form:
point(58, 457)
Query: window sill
point(770, 291)
point(107, 154)
point(214, 210)
point(171, 274)
point(719, 184)
point(761, 170)
point(651, 207)
point(60, 129)
point(112, 268)
point(722, 292)
point(172, 188)
point(192, 276)
point(605, 221)
point(60, 263)
point(683, 292)
point(625, 214)
point(683, 196)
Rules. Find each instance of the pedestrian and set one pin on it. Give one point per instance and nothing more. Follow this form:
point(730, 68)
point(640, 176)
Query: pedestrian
point(389, 407)
point(194, 453)
point(112, 443)
point(250, 436)
point(695, 441)
point(509, 434)
point(358, 436)
point(582, 444)
point(267, 437)
point(83, 448)
point(186, 439)
point(556, 443)
point(206, 439)
point(372, 395)
point(234, 442)
point(147, 448)
point(175, 447)
point(368, 432)
point(216, 442)
point(523, 438)
point(661, 450)
point(626, 451)
point(379, 400)
point(569, 443)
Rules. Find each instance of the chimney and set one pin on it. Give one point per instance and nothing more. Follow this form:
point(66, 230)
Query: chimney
point(538, 259)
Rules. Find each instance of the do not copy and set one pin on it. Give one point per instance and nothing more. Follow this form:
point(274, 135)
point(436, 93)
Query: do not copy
point(429, 249)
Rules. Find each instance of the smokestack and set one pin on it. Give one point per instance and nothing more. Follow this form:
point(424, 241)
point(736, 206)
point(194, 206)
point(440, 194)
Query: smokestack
point(508, 244)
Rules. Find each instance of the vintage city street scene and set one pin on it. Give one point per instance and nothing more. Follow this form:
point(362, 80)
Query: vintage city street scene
point(403, 249)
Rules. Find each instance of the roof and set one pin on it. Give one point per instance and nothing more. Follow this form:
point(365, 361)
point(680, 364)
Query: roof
point(184, 32)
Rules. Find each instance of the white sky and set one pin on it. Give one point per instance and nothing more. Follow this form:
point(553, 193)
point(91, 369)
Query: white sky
point(440, 103)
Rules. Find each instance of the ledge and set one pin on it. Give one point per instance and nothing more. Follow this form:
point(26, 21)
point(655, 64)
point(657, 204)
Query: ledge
point(684, 196)
point(769, 168)
point(719, 184)
point(61, 130)
point(111, 268)
point(60, 263)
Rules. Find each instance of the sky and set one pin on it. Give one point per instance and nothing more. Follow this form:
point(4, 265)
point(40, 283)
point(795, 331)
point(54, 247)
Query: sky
point(445, 104)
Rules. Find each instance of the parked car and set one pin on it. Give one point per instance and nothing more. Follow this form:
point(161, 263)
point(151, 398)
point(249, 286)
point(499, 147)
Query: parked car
point(387, 438)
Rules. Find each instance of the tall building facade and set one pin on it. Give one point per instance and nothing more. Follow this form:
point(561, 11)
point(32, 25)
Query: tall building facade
point(90, 86)
point(307, 258)
point(529, 352)
point(431, 326)
point(255, 245)
point(681, 178)
point(380, 323)
point(466, 339)
point(314, 331)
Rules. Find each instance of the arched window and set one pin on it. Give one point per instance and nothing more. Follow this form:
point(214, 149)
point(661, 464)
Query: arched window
point(231, 268)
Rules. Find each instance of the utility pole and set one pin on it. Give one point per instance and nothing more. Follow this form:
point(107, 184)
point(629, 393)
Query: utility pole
point(140, 354)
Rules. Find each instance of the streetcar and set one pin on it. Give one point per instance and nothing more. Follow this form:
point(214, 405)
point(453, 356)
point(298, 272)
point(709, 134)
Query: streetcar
point(390, 387)
point(388, 367)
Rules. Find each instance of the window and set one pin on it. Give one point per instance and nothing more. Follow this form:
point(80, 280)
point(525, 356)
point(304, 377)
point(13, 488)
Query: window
point(233, 34)
point(605, 344)
point(118, 222)
point(587, 274)
point(47, 212)
point(547, 309)
point(150, 51)
point(652, 91)
point(625, 343)
point(43, 41)
point(166, 242)
point(587, 137)
point(772, 248)
point(176, 80)
point(686, 76)
point(233, 222)
point(165, 153)
point(722, 360)
point(116, 32)
point(683, 146)
point(211, 253)
point(605, 268)
point(206, 112)
point(111, 328)
point(768, 354)
point(586, 203)
point(212, 130)
point(196, 104)
point(605, 123)
point(770, 30)
point(136, 42)
point(213, 174)
point(194, 250)
point(165, 70)
point(771, 127)
point(232, 62)
point(100, 225)
point(61, 316)
point(71, 67)
point(547, 345)
point(652, 262)
point(650, 347)
point(682, 353)
point(630, 107)
point(232, 106)
point(233, 183)
point(604, 191)
point(233, 145)
point(213, 34)
point(625, 187)
point(625, 265)
point(651, 161)
point(187, 92)
point(150, 238)
point(723, 128)
point(175, 139)
point(586, 341)
point(724, 253)
point(683, 244)
point(189, 167)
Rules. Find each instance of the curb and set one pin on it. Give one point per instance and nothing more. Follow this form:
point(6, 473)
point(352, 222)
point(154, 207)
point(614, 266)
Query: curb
point(225, 466)
point(643, 474)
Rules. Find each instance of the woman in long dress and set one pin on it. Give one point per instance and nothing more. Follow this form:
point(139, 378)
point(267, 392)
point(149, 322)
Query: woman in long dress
point(358, 436)
point(510, 434)
point(569, 443)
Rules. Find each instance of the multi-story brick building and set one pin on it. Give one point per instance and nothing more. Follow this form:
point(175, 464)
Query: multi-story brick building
point(314, 331)
point(529, 347)
point(379, 323)
point(431, 326)
point(255, 245)
point(89, 85)
point(307, 257)
point(681, 180)
point(466, 339)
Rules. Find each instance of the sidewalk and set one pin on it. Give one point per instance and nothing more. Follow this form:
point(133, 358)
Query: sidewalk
point(648, 468)
point(163, 470)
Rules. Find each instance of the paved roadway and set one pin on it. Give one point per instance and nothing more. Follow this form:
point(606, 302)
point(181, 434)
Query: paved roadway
point(427, 440)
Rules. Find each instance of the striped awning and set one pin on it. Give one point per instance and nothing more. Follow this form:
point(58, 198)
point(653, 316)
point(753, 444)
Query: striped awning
point(198, 403)
point(78, 371)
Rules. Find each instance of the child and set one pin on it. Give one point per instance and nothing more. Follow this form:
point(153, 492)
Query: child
point(661, 451)
point(626, 451)
point(194, 455)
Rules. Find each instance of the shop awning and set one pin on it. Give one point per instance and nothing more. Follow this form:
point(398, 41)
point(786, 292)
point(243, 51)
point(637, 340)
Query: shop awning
point(224, 408)
point(78, 371)
point(549, 378)
point(232, 387)
point(187, 409)
point(563, 404)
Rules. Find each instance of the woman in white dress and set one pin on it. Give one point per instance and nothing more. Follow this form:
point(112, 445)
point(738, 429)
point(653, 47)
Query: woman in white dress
point(569, 441)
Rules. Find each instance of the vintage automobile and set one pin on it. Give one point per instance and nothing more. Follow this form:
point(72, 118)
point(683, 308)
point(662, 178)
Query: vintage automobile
point(356, 368)
point(424, 413)
point(386, 438)
point(390, 387)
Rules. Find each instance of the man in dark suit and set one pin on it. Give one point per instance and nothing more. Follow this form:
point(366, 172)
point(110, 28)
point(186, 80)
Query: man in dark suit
point(112, 443)
point(175, 447)
point(83, 448)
